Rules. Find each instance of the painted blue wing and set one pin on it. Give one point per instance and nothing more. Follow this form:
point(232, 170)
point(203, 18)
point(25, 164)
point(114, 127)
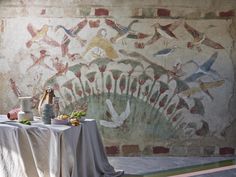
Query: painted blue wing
point(163, 52)
point(207, 65)
point(194, 77)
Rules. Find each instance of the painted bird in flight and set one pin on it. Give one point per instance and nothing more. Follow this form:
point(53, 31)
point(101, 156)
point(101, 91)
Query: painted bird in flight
point(165, 52)
point(163, 31)
point(60, 67)
point(40, 60)
point(40, 35)
point(204, 69)
point(203, 87)
point(199, 39)
point(71, 33)
point(125, 31)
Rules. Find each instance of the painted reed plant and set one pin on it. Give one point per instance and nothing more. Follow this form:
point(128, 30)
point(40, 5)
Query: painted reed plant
point(133, 87)
point(102, 65)
point(91, 78)
point(78, 90)
point(122, 84)
point(69, 85)
point(116, 75)
point(76, 69)
point(108, 85)
point(133, 65)
point(141, 80)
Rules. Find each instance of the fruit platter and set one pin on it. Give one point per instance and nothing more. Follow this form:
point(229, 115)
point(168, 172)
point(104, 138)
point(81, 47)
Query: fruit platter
point(74, 119)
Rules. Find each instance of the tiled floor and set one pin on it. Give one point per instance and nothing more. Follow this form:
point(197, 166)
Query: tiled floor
point(158, 166)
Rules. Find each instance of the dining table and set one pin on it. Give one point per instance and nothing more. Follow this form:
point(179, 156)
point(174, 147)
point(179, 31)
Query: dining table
point(52, 150)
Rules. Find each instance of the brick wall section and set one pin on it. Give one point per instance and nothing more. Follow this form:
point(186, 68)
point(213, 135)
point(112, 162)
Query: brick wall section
point(112, 150)
point(137, 12)
point(163, 12)
point(210, 15)
point(131, 150)
point(91, 11)
point(160, 150)
point(101, 12)
point(209, 150)
point(84, 11)
point(227, 151)
point(193, 150)
point(148, 150)
point(134, 150)
point(178, 150)
point(227, 14)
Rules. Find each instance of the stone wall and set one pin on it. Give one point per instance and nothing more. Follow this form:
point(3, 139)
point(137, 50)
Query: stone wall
point(158, 76)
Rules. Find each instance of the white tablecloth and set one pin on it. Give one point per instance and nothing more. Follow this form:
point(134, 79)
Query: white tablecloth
point(52, 151)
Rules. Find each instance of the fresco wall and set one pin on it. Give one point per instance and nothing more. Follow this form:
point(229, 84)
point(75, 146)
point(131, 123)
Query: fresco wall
point(149, 82)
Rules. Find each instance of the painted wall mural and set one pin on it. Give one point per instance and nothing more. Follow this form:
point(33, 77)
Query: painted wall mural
point(144, 80)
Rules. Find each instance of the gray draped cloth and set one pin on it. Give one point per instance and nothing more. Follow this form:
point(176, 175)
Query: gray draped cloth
point(53, 151)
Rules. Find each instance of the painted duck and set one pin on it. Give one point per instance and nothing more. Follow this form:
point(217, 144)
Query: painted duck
point(204, 69)
point(125, 31)
point(165, 31)
point(203, 87)
point(165, 52)
point(71, 34)
point(60, 67)
point(199, 39)
point(40, 35)
point(40, 60)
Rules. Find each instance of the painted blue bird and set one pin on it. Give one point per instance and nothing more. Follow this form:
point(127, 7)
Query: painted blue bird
point(68, 31)
point(72, 33)
point(204, 69)
point(165, 52)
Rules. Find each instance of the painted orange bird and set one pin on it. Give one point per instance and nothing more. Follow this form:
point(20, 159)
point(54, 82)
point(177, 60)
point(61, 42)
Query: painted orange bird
point(163, 31)
point(40, 35)
point(60, 67)
point(40, 60)
point(199, 39)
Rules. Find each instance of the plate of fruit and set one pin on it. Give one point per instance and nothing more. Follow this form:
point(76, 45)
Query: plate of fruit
point(76, 117)
point(62, 119)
